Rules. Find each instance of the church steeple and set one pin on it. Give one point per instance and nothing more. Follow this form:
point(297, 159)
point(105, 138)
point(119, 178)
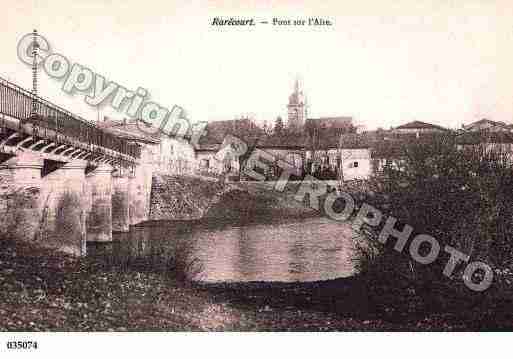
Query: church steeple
point(296, 108)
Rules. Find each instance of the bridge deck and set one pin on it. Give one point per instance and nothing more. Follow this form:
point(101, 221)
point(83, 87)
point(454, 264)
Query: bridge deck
point(31, 119)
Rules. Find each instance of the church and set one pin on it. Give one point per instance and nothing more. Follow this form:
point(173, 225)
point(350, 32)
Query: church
point(298, 120)
point(318, 141)
point(297, 109)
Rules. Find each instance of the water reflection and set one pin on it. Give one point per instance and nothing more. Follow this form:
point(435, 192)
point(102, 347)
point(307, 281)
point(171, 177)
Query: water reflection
point(306, 250)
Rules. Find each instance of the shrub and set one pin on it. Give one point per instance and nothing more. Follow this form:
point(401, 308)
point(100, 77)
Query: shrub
point(460, 196)
point(17, 213)
point(184, 263)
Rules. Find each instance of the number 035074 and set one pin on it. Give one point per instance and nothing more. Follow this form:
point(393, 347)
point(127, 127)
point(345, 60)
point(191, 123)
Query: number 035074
point(22, 344)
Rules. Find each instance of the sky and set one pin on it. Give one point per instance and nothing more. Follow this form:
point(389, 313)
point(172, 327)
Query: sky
point(384, 63)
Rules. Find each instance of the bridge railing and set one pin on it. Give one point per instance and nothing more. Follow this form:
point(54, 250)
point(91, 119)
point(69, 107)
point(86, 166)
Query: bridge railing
point(21, 104)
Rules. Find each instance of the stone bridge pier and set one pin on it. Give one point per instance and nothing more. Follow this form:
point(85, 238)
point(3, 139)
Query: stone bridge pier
point(99, 221)
point(64, 205)
point(20, 191)
point(120, 200)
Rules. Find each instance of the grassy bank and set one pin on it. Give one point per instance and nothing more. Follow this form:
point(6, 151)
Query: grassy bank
point(42, 290)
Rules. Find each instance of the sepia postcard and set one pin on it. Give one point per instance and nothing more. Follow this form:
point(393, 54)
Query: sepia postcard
point(255, 166)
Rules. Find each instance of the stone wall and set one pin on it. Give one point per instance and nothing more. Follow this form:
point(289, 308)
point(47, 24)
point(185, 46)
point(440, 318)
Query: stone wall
point(183, 197)
point(20, 190)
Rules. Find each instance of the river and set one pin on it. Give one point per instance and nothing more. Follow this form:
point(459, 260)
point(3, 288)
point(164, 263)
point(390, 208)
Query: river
point(309, 249)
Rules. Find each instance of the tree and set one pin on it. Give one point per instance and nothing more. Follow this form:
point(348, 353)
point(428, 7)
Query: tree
point(278, 126)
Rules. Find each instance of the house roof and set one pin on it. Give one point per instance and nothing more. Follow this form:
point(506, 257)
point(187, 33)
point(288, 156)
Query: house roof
point(485, 121)
point(419, 125)
point(133, 129)
point(339, 122)
point(392, 145)
point(285, 141)
point(136, 130)
point(322, 139)
point(483, 136)
point(216, 131)
point(353, 140)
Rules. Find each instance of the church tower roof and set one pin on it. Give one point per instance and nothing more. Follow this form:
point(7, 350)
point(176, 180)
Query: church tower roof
point(297, 108)
point(297, 97)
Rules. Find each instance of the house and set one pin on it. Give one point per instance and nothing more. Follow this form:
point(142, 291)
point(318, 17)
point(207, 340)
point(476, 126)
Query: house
point(417, 128)
point(215, 153)
point(207, 163)
point(287, 147)
point(496, 140)
point(488, 125)
point(167, 154)
point(355, 157)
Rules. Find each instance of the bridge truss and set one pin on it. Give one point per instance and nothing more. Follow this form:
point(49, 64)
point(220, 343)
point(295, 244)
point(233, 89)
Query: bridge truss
point(29, 122)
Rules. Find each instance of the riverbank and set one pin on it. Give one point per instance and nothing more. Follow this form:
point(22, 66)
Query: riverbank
point(188, 198)
point(46, 291)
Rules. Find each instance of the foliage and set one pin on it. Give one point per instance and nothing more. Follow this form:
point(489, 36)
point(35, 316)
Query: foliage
point(184, 262)
point(278, 126)
point(16, 209)
point(459, 195)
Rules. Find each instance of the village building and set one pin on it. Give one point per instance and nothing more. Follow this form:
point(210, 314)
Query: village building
point(167, 154)
point(488, 125)
point(207, 163)
point(501, 141)
point(287, 147)
point(214, 153)
point(387, 145)
point(418, 128)
point(355, 157)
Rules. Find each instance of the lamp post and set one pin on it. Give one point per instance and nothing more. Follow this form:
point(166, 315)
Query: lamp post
point(35, 47)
